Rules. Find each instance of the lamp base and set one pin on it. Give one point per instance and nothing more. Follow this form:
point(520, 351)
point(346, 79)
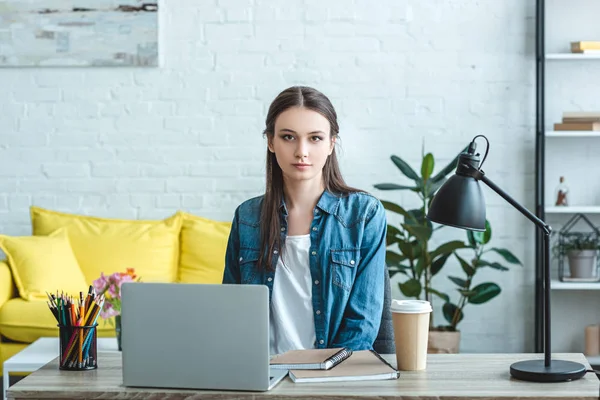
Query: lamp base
point(558, 371)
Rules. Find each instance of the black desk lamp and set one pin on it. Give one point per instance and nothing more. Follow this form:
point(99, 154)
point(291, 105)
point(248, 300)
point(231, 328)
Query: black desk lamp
point(459, 203)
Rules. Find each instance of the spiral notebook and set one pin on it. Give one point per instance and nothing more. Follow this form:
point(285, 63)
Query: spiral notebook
point(319, 359)
point(362, 365)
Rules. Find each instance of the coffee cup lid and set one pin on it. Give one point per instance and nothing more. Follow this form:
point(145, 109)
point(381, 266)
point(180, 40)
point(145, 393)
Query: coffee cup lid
point(411, 306)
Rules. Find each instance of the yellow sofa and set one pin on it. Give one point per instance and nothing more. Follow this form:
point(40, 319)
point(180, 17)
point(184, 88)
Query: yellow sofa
point(182, 248)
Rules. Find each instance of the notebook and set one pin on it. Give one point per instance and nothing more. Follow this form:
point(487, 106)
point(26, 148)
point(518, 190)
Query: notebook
point(363, 365)
point(322, 359)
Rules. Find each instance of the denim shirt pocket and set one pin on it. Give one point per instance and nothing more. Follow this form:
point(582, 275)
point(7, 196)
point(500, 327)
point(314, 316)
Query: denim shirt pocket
point(344, 263)
point(248, 261)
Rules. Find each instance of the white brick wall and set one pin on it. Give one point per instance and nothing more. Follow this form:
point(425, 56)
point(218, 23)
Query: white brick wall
point(142, 143)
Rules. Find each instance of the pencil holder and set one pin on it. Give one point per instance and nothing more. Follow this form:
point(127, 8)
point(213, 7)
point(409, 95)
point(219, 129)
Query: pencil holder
point(78, 347)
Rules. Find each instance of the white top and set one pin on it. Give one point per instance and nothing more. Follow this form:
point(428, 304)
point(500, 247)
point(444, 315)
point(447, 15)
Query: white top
point(291, 318)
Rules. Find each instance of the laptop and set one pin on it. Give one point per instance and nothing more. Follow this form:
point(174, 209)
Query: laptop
point(196, 336)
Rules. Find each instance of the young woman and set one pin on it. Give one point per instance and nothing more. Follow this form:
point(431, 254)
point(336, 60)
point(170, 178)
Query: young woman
point(317, 244)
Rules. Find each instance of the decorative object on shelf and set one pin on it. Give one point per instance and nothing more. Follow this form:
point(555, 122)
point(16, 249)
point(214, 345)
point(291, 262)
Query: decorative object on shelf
point(580, 249)
point(579, 121)
point(469, 293)
point(460, 203)
point(586, 47)
point(110, 287)
point(78, 34)
point(592, 340)
point(562, 190)
point(412, 237)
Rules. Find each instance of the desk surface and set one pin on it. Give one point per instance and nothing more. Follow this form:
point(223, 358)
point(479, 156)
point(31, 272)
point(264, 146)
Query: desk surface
point(448, 376)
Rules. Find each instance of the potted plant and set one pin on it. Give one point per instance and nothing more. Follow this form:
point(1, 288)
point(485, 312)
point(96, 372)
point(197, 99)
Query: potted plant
point(469, 291)
point(408, 243)
point(581, 249)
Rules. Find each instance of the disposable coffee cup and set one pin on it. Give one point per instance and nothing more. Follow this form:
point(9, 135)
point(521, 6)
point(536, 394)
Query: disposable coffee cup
point(411, 332)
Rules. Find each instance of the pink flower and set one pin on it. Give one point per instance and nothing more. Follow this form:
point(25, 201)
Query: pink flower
point(110, 287)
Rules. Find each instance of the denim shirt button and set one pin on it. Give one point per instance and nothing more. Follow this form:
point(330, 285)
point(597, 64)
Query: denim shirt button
point(315, 229)
point(317, 282)
point(318, 312)
point(269, 279)
point(352, 262)
point(314, 253)
point(275, 252)
point(321, 341)
point(241, 258)
point(316, 211)
point(282, 229)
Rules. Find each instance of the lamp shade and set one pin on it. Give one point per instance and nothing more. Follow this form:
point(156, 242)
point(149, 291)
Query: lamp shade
point(459, 203)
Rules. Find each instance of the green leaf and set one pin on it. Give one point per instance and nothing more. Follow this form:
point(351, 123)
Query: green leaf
point(393, 258)
point(388, 205)
point(438, 263)
point(449, 310)
point(441, 295)
point(507, 255)
point(392, 186)
point(406, 169)
point(478, 237)
point(487, 235)
point(427, 166)
point(448, 168)
point(406, 249)
point(484, 292)
point(421, 265)
point(432, 187)
point(470, 271)
point(402, 269)
point(393, 235)
point(494, 265)
point(460, 282)
point(417, 217)
point(447, 248)
point(411, 288)
point(422, 233)
point(466, 293)
point(471, 239)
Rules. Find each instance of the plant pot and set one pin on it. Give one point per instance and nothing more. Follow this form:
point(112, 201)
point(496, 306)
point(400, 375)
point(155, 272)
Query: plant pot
point(443, 342)
point(582, 263)
point(118, 330)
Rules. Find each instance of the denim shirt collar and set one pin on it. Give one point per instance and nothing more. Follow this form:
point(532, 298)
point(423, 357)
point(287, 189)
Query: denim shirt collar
point(328, 202)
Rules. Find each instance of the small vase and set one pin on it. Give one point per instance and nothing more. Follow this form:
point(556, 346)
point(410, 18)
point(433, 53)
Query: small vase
point(118, 330)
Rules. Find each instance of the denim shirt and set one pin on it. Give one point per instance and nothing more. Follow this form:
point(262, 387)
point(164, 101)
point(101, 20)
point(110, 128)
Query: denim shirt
point(347, 264)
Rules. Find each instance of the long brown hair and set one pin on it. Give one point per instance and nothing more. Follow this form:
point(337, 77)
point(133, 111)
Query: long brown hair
point(270, 231)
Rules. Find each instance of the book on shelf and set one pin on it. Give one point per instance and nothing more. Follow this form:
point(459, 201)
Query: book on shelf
point(581, 114)
point(319, 359)
point(581, 119)
point(578, 47)
point(362, 365)
point(577, 126)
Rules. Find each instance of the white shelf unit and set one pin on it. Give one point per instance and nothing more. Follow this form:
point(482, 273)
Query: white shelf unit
point(573, 56)
point(572, 134)
point(555, 284)
point(573, 210)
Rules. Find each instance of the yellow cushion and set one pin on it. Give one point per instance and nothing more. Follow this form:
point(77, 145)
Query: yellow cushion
point(113, 245)
point(203, 246)
point(26, 321)
point(41, 264)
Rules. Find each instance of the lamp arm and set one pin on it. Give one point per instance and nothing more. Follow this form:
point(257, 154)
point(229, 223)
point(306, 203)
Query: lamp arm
point(480, 175)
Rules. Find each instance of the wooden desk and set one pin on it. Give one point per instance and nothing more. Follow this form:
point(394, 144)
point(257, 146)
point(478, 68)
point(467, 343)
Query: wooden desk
point(448, 376)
